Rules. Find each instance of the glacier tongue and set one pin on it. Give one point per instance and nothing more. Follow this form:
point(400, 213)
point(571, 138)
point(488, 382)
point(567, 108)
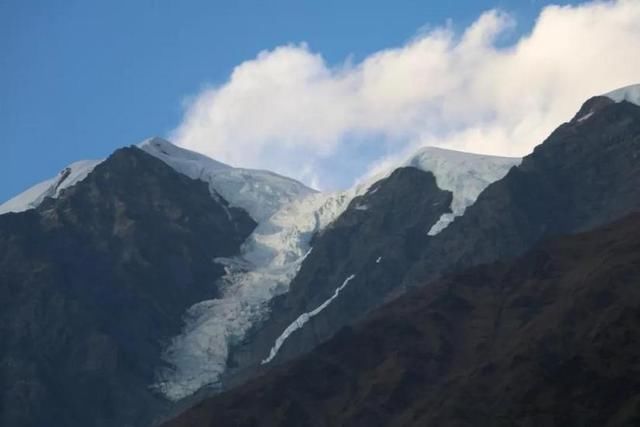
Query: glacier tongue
point(272, 256)
point(270, 259)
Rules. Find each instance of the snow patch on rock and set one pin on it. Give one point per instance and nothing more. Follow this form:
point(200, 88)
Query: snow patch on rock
point(52, 187)
point(628, 93)
point(585, 117)
point(260, 193)
point(302, 319)
point(466, 175)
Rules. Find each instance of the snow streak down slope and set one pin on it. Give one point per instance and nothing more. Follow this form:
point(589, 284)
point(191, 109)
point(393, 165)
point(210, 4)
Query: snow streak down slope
point(272, 256)
point(464, 174)
point(304, 318)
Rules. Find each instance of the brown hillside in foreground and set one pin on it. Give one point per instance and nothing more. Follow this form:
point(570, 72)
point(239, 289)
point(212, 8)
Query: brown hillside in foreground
point(551, 339)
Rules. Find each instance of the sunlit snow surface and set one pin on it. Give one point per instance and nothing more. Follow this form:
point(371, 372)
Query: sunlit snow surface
point(261, 193)
point(270, 259)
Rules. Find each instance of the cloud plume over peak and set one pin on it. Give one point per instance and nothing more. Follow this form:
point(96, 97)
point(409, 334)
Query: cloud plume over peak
point(289, 111)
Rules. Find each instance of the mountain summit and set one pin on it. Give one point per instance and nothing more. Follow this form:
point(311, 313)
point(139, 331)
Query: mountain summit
point(158, 276)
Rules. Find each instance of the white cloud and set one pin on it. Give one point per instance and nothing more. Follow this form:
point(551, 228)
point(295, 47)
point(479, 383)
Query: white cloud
point(288, 110)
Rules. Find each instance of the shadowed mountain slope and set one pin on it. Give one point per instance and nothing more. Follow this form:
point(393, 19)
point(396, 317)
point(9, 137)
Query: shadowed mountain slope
point(93, 282)
point(548, 339)
point(586, 173)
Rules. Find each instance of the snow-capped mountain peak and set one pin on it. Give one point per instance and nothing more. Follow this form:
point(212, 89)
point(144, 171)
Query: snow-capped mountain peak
point(260, 193)
point(288, 214)
point(52, 187)
point(466, 175)
point(274, 253)
point(163, 149)
point(628, 93)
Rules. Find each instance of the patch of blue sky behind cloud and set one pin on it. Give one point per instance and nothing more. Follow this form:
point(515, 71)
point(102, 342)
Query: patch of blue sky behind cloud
point(79, 79)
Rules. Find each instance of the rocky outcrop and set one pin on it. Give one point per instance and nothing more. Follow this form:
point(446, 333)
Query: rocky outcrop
point(587, 173)
point(548, 339)
point(376, 239)
point(93, 282)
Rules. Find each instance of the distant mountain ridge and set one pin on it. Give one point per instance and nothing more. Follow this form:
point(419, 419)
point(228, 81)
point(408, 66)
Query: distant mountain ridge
point(94, 281)
point(288, 216)
point(216, 274)
point(258, 192)
point(584, 175)
point(274, 253)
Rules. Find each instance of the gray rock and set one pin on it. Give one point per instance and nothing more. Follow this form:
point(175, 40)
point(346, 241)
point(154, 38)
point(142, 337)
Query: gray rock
point(92, 283)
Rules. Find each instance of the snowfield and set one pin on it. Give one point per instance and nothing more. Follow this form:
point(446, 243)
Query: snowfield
point(52, 187)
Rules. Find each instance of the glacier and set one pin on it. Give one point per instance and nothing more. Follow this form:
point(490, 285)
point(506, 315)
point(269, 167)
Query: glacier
point(269, 260)
point(288, 214)
point(52, 187)
point(272, 256)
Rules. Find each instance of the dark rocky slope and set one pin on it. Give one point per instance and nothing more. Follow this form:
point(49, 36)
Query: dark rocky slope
point(377, 238)
point(92, 283)
point(550, 339)
point(586, 173)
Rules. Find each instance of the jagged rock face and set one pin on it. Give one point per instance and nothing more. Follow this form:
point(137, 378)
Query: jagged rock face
point(548, 339)
point(92, 283)
point(585, 174)
point(590, 107)
point(375, 239)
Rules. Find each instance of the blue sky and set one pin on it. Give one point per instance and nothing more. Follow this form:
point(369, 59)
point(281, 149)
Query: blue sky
point(80, 78)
